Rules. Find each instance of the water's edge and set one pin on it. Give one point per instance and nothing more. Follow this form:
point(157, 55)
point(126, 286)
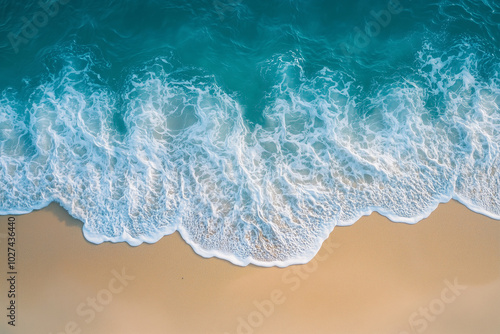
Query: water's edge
point(98, 239)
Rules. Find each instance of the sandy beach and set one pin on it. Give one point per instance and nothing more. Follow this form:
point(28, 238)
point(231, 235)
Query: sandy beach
point(250, 129)
point(441, 275)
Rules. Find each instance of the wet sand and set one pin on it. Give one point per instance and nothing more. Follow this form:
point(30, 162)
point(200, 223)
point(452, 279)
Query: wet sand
point(441, 275)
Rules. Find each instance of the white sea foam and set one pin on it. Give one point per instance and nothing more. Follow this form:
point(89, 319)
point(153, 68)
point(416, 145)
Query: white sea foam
point(184, 158)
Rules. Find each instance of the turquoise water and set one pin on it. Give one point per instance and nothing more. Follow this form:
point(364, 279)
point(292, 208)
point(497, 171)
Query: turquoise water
point(251, 127)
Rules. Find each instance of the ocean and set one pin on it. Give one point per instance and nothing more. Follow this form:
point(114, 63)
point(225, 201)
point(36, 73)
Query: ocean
point(252, 128)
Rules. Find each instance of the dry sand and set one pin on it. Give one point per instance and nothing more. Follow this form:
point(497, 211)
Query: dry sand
point(373, 277)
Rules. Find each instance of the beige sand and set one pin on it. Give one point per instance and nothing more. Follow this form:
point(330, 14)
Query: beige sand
point(373, 277)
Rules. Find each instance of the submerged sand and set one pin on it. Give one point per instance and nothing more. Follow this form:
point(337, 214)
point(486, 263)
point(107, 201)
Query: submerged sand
point(441, 275)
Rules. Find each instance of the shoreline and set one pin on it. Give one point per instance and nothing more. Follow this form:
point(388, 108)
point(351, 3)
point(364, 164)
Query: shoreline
point(375, 276)
point(99, 239)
